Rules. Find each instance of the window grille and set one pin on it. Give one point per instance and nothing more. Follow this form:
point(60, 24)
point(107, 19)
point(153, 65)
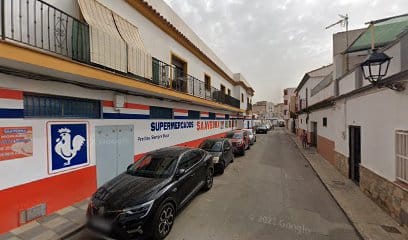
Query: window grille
point(401, 155)
point(161, 113)
point(47, 106)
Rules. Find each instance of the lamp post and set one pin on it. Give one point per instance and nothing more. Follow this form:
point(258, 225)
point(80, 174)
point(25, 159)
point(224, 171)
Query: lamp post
point(375, 66)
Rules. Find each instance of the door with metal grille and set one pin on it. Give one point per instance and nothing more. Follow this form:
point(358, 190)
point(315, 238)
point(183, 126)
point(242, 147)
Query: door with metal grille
point(114, 151)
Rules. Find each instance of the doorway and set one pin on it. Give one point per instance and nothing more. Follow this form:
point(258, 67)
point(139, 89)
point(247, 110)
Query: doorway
point(355, 153)
point(114, 147)
point(313, 136)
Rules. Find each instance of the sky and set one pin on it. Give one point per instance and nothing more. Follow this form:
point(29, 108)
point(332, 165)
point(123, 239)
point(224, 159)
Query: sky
point(273, 43)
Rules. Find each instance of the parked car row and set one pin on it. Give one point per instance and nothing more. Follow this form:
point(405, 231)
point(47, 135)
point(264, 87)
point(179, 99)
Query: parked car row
point(145, 199)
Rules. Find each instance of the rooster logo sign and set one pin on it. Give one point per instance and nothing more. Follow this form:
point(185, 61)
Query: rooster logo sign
point(66, 146)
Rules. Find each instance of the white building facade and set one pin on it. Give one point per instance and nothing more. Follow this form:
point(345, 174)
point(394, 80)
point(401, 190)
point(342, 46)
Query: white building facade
point(106, 83)
point(287, 97)
point(360, 128)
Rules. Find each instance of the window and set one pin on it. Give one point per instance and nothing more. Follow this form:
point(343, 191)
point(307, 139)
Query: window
point(161, 113)
point(301, 120)
point(207, 82)
point(227, 116)
point(324, 122)
point(285, 102)
point(222, 88)
point(248, 100)
point(242, 97)
point(229, 92)
point(179, 72)
point(46, 106)
point(211, 115)
point(193, 114)
point(190, 158)
point(179, 63)
point(401, 155)
point(227, 145)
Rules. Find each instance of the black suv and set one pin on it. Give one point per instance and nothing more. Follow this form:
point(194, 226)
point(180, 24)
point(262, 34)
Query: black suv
point(145, 198)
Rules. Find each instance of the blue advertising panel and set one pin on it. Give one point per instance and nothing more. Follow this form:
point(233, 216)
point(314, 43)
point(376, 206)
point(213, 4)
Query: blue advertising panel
point(67, 145)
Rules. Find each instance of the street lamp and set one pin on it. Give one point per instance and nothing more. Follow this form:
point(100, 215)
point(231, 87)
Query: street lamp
point(375, 66)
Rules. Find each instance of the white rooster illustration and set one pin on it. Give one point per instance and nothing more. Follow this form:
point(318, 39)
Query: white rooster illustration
point(65, 148)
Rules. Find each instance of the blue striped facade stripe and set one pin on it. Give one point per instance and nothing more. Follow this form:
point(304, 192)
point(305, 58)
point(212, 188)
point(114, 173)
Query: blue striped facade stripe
point(11, 113)
point(124, 116)
point(180, 117)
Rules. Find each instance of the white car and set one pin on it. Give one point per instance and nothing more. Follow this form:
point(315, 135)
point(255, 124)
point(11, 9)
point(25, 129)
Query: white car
point(251, 134)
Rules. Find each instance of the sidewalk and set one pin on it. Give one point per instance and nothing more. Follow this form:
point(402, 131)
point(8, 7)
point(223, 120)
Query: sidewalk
point(369, 219)
point(58, 225)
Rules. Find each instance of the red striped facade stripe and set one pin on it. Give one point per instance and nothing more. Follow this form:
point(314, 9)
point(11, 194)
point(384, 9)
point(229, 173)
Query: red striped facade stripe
point(107, 103)
point(137, 106)
point(181, 110)
point(127, 105)
point(11, 94)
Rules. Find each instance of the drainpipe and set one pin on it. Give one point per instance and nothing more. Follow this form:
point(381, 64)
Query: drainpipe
point(3, 20)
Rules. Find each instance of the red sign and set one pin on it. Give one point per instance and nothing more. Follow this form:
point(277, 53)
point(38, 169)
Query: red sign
point(16, 142)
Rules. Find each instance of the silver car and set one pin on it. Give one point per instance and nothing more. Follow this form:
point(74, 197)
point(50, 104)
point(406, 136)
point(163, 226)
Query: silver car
point(252, 135)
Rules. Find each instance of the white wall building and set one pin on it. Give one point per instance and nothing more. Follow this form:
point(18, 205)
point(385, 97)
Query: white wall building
point(358, 127)
point(124, 76)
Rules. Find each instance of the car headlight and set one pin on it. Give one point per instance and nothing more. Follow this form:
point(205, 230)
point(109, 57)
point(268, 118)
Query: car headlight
point(141, 210)
point(216, 159)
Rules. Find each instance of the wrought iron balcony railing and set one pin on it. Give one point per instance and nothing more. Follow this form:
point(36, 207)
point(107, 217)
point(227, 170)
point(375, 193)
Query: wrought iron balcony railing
point(301, 104)
point(40, 25)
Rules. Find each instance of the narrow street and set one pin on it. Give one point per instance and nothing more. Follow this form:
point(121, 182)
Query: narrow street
point(270, 193)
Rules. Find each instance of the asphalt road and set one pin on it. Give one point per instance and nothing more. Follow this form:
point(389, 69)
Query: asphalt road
point(270, 193)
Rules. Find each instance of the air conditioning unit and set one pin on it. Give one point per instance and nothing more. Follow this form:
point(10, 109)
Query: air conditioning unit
point(119, 102)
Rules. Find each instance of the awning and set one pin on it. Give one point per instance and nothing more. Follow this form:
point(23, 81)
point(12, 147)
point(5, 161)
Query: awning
point(385, 32)
point(139, 61)
point(107, 46)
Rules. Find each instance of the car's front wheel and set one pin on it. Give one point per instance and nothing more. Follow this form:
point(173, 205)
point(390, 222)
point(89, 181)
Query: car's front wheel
point(209, 179)
point(163, 221)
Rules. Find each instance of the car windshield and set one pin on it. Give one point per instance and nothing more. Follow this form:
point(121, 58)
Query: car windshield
point(154, 166)
point(237, 135)
point(212, 146)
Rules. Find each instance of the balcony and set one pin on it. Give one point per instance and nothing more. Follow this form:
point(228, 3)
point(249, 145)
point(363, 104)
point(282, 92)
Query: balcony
point(169, 76)
point(301, 104)
point(39, 25)
point(249, 107)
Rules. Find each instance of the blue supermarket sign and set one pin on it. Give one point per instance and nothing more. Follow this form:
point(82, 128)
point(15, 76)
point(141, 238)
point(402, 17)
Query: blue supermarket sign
point(67, 145)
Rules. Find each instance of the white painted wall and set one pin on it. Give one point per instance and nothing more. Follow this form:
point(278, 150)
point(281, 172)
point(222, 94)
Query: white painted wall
point(317, 116)
point(323, 94)
point(379, 120)
point(158, 43)
point(34, 168)
point(347, 83)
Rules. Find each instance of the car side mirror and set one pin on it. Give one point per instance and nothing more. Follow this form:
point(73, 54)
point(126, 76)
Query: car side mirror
point(180, 172)
point(128, 167)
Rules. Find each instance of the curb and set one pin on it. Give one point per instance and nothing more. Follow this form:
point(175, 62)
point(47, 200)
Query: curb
point(71, 232)
point(360, 234)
